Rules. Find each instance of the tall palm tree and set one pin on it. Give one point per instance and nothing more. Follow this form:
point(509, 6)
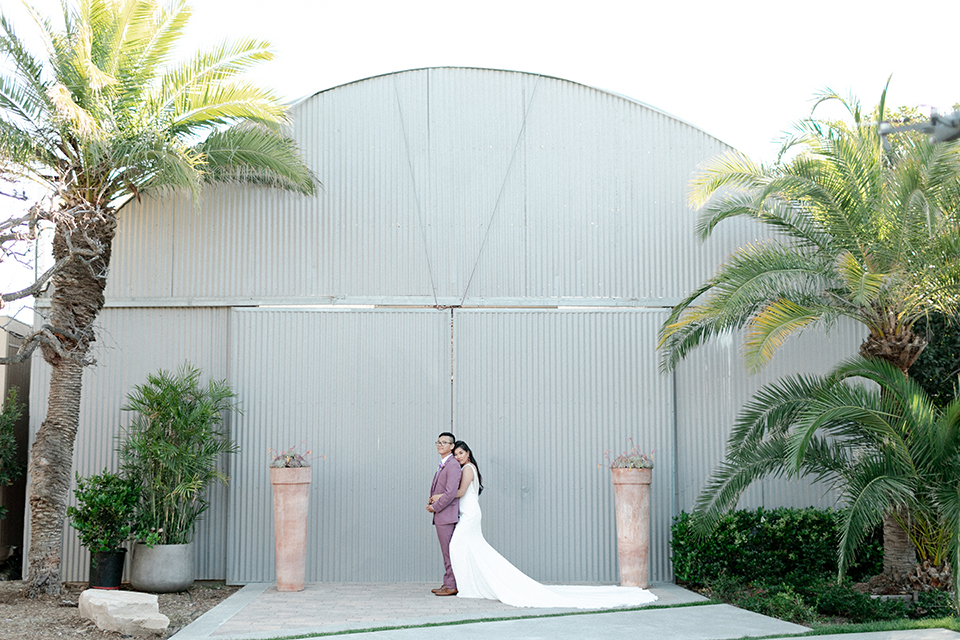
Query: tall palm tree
point(859, 230)
point(104, 116)
point(878, 446)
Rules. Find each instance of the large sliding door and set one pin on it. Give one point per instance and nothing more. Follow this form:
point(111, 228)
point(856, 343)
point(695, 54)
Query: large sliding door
point(538, 394)
point(370, 390)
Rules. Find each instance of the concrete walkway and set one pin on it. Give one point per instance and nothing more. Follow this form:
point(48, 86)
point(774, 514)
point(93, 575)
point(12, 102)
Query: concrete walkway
point(259, 611)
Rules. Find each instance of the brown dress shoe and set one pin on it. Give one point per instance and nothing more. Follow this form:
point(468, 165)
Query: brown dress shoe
point(437, 590)
point(447, 592)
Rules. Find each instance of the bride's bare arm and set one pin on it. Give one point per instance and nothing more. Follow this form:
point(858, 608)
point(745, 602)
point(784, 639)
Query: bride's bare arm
point(465, 479)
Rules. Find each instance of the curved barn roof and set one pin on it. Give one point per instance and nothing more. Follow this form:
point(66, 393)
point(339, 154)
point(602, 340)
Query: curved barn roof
point(615, 94)
point(447, 186)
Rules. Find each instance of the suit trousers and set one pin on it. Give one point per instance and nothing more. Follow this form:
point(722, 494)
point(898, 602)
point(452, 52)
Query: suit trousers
point(444, 533)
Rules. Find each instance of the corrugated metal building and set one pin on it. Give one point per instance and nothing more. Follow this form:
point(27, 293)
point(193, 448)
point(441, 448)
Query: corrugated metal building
point(492, 253)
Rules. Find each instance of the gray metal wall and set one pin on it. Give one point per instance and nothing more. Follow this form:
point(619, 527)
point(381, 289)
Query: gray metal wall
point(449, 186)
point(552, 215)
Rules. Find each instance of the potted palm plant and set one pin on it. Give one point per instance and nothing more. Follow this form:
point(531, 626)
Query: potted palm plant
point(170, 451)
point(632, 473)
point(103, 518)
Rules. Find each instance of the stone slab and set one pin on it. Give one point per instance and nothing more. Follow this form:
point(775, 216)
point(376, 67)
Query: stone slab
point(127, 612)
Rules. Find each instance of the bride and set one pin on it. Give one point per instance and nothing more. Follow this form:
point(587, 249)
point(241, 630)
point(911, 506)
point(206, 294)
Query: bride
point(481, 572)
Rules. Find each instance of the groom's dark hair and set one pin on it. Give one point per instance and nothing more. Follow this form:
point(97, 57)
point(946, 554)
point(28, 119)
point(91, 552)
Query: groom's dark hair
point(447, 433)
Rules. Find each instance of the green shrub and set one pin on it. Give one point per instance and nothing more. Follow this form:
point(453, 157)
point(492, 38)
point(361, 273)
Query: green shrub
point(9, 470)
point(779, 601)
point(790, 546)
point(103, 517)
point(935, 604)
point(776, 600)
point(841, 601)
point(938, 366)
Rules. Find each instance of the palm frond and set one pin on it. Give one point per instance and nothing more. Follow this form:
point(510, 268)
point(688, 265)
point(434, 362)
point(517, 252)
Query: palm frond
point(207, 70)
point(256, 154)
point(731, 478)
point(225, 104)
point(768, 329)
point(752, 279)
point(729, 171)
point(864, 286)
point(869, 495)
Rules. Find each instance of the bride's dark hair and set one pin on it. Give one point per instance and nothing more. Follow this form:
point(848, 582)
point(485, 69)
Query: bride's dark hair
point(463, 445)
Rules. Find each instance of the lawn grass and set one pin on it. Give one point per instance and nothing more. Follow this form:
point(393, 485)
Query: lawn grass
point(953, 624)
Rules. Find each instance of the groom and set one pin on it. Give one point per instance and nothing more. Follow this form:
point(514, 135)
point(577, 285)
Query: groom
point(446, 509)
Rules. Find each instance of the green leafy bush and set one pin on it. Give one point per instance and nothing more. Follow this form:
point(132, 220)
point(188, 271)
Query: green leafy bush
point(106, 505)
point(783, 563)
point(791, 546)
point(779, 601)
point(938, 367)
point(935, 604)
point(9, 470)
point(840, 600)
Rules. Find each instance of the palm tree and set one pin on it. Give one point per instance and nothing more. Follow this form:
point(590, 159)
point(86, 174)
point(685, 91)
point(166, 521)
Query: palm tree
point(878, 446)
point(103, 117)
point(858, 231)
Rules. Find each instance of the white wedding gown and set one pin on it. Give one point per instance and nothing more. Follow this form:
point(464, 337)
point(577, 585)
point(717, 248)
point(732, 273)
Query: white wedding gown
point(481, 572)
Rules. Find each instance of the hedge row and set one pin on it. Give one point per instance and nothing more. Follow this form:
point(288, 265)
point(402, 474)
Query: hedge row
point(780, 545)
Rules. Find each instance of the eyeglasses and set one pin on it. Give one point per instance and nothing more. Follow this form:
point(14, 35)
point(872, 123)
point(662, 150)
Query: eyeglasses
point(440, 442)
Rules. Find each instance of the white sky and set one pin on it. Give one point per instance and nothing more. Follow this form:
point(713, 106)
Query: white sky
point(741, 70)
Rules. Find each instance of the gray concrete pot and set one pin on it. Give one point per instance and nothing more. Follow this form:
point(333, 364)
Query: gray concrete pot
point(163, 568)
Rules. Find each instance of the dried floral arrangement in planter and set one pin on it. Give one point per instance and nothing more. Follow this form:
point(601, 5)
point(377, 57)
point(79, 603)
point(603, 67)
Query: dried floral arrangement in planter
point(291, 458)
point(632, 459)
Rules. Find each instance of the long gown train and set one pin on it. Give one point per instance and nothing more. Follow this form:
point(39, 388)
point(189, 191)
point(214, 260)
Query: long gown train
point(481, 572)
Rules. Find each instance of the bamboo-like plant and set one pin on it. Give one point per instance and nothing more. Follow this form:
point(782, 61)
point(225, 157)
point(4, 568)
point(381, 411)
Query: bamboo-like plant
point(171, 450)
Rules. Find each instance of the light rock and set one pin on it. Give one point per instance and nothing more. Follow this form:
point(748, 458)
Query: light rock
point(127, 612)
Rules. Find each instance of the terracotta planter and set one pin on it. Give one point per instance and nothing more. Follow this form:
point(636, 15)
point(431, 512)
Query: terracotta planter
point(291, 490)
point(631, 488)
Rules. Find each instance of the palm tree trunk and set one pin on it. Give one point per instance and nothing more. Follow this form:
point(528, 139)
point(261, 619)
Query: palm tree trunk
point(901, 349)
point(899, 557)
point(51, 464)
point(85, 234)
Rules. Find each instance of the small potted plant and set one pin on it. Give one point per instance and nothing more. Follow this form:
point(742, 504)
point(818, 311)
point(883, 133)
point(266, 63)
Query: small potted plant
point(171, 451)
point(103, 518)
point(290, 477)
point(632, 473)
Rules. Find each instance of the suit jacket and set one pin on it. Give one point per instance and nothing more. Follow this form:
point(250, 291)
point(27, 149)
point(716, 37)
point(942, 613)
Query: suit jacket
point(446, 481)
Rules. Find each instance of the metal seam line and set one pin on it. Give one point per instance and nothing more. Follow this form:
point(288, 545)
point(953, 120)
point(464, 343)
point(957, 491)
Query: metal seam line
point(503, 186)
point(416, 194)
